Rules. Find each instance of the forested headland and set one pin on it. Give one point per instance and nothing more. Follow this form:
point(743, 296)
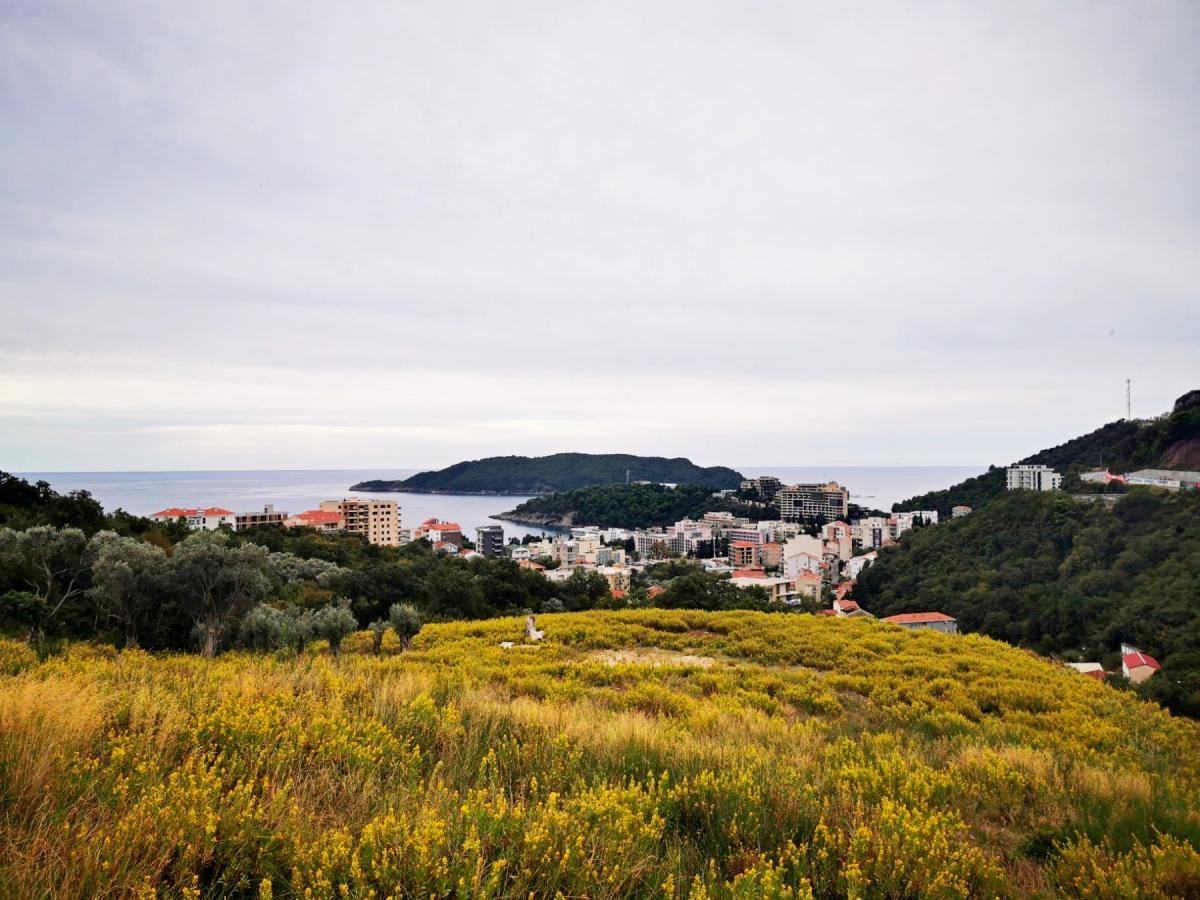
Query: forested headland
point(558, 472)
point(629, 506)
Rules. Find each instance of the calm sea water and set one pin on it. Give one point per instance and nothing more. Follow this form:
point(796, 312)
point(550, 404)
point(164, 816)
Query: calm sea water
point(293, 491)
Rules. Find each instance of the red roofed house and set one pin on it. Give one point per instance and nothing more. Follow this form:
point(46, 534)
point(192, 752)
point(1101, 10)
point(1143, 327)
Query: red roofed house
point(934, 621)
point(438, 531)
point(320, 519)
point(1137, 666)
point(743, 554)
point(808, 584)
point(844, 607)
point(209, 519)
point(751, 572)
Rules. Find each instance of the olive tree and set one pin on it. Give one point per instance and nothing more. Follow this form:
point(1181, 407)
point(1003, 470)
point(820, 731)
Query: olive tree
point(218, 582)
point(333, 623)
point(406, 620)
point(54, 563)
point(128, 578)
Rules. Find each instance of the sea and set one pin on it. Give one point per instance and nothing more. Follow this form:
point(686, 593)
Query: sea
point(295, 490)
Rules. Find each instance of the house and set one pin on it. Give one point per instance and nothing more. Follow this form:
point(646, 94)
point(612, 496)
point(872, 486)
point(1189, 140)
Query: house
point(320, 519)
point(517, 553)
point(808, 584)
point(933, 621)
point(855, 565)
point(209, 519)
point(437, 531)
point(1091, 669)
point(1137, 666)
point(779, 590)
point(844, 607)
point(531, 565)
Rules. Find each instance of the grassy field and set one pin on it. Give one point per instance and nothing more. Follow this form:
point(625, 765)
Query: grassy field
point(635, 754)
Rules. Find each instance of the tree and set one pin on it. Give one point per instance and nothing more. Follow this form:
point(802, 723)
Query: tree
point(378, 629)
point(406, 620)
point(218, 582)
point(53, 562)
point(266, 628)
point(128, 577)
point(333, 623)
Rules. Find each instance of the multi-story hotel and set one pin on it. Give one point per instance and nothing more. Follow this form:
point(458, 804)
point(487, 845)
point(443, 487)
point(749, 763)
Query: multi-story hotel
point(810, 501)
point(268, 516)
point(376, 520)
point(1033, 478)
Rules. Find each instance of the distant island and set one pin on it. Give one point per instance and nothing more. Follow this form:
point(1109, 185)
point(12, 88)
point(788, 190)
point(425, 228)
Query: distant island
point(524, 475)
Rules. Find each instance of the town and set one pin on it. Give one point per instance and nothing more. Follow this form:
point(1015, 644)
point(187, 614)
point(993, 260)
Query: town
point(810, 557)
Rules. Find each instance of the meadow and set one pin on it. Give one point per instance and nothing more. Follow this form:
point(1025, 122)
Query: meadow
point(653, 753)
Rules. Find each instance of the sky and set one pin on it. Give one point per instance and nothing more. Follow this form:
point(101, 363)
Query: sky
point(306, 235)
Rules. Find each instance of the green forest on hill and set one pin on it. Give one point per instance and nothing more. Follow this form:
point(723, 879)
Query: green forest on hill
point(1061, 576)
point(558, 472)
point(1120, 446)
point(631, 506)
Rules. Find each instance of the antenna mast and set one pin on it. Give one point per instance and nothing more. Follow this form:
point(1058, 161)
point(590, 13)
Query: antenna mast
point(1128, 396)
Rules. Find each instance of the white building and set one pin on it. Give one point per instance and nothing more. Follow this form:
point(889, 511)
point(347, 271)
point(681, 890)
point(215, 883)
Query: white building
point(209, 519)
point(856, 564)
point(1033, 478)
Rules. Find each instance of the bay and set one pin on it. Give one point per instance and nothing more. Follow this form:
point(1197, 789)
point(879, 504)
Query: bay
point(295, 490)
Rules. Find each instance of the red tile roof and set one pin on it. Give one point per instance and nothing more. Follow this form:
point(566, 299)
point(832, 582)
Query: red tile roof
point(1137, 660)
point(319, 517)
point(445, 526)
point(173, 512)
point(918, 618)
point(743, 544)
point(749, 573)
point(217, 511)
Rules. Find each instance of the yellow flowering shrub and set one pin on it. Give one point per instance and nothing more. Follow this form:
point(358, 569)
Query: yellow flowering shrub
point(656, 753)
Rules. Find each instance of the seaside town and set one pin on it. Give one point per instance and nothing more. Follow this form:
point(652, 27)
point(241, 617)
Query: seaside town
point(811, 556)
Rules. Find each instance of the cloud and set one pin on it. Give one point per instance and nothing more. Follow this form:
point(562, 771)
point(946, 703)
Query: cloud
point(779, 235)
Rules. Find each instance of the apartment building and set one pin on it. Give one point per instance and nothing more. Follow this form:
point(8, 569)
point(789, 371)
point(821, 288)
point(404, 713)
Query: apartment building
point(376, 520)
point(268, 516)
point(1033, 478)
point(743, 554)
point(489, 540)
point(767, 487)
point(830, 501)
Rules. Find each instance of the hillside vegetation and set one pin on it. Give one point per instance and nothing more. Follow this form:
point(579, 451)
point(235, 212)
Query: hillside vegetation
point(625, 506)
point(1047, 572)
point(558, 472)
point(1170, 441)
point(635, 754)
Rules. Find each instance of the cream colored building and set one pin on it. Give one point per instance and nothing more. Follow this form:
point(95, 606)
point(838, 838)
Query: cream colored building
point(376, 520)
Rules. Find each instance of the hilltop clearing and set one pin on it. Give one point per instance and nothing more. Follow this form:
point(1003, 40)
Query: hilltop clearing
point(807, 757)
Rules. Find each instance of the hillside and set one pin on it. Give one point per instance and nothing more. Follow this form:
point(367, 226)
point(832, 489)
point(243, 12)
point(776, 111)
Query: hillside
point(623, 506)
point(1059, 576)
point(559, 472)
point(1170, 441)
point(635, 754)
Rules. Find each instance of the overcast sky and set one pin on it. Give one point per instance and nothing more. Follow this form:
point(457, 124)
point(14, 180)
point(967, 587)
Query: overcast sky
point(271, 235)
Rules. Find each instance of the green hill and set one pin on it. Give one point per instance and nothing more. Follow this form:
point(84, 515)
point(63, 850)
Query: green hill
point(559, 472)
point(1044, 571)
point(1169, 441)
point(624, 506)
point(641, 754)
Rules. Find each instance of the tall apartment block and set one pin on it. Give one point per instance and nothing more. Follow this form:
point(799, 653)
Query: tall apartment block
point(809, 501)
point(489, 540)
point(377, 520)
point(1033, 478)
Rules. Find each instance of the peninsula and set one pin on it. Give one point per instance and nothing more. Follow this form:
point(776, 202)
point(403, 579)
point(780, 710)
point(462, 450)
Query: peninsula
point(524, 475)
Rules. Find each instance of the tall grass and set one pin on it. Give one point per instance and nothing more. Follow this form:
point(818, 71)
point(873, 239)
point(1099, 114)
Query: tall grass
point(801, 757)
